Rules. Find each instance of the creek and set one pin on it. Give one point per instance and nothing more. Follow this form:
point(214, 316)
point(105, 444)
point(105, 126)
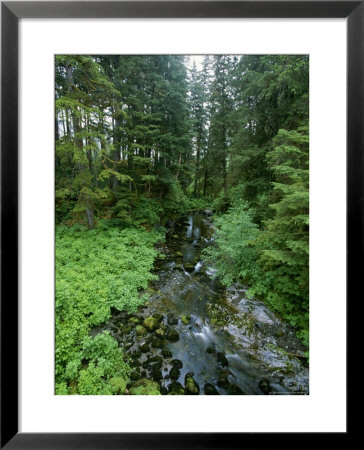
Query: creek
point(201, 332)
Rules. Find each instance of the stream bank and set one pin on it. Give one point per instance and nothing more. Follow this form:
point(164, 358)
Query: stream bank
point(197, 337)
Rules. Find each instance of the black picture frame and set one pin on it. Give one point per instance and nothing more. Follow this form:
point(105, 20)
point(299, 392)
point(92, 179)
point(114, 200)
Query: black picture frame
point(11, 12)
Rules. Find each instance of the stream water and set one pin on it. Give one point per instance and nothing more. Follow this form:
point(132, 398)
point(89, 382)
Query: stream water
point(227, 343)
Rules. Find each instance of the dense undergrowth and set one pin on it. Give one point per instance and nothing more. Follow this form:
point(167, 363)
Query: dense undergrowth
point(273, 258)
point(95, 271)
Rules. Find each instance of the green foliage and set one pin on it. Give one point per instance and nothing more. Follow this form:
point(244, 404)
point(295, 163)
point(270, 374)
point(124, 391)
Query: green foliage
point(284, 244)
point(273, 261)
point(138, 140)
point(197, 204)
point(96, 270)
point(174, 199)
point(147, 211)
point(234, 256)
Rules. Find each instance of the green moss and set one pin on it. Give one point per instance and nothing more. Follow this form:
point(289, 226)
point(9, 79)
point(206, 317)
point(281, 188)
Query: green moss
point(118, 385)
point(190, 385)
point(151, 323)
point(140, 330)
point(185, 319)
point(145, 387)
point(160, 333)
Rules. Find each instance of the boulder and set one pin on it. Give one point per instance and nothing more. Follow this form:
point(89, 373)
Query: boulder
point(176, 388)
point(151, 323)
point(185, 319)
point(144, 348)
point(223, 381)
point(145, 387)
point(166, 353)
point(172, 335)
point(157, 343)
point(177, 363)
point(210, 389)
point(235, 390)
point(189, 267)
point(191, 387)
point(221, 359)
point(264, 386)
point(156, 361)
point(160, 333)
point(211, 350)
point(172, 320)
point(118, 385)
point(158, 317)
point(156, 373)
point(140, 331)
point(174, 373)
point(134, 320)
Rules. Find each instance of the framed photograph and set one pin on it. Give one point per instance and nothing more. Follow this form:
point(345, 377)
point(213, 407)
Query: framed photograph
point(179, 218)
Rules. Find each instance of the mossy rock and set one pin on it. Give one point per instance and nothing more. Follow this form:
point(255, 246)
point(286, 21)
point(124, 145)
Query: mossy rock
point(160, 333)
point(185, 319)
point(156, 373)
point(158, 317)
point(211, 350)
point(126, 329)
point(189, 267)
point(144, 348)
point(235, 390)
point(174, 373)
point(264, 386)
point(210, 389)
point(223, 381)
point(145, 387)
point(157, 343)
point(191, 387)
point(221, 359)
point(140, 331)
point(176, 388)
point(151, 323)
point(172, 320)
point(177, 363)
point(154, 361)
point(172, 335)
point(118, 385)
point(166, 353)
point(137, 354)
point(134, 320)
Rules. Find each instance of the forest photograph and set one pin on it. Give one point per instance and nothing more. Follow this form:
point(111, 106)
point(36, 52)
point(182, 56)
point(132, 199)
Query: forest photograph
point(182, 224)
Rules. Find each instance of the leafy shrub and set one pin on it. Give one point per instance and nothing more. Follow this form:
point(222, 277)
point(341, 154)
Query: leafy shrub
point(197, 204)
point(234, 256)
point(96, 270)
point(147, 211)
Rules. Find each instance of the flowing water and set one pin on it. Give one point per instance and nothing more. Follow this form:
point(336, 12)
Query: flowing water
point(229, 343)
